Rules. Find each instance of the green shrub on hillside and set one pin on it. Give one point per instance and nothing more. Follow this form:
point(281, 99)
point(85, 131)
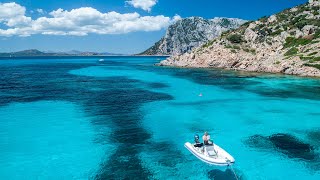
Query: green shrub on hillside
point(313, 65)
point(225, 33)
point(301, 24)
point(236, 47)
point(282, 17)
point(291, 52)
point(302, 8)
point(263, 19)
point(313, 53)
point(315, 22)
point(253, 51)
point(277, 32)
point(246, 49)
point(311, 59)
point(315, 8)
point(232, 47)
point(235, 38)
point(246, 25)
point(315, 59)
point(298, 22)
point(297, 19)
point(307, 50)
point(315, 13)
point(269, 42)
point(316, 34)
point(264, 31)
point(292, 42)
point(208, 44)
point(304, 58)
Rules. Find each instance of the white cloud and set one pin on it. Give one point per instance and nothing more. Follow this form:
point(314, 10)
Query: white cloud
point(11, 10)
point(12, 14)
point(41, 11)
point(176, 18)
point(143, 4)
point(77, 22)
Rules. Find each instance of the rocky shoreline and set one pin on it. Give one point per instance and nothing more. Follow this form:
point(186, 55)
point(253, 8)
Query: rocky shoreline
point(238, 62)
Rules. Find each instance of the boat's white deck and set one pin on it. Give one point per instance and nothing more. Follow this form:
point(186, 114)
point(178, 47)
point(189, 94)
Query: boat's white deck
point(210, 151)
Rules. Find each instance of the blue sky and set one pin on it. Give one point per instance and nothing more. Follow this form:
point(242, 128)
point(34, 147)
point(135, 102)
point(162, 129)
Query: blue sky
point(130, 28)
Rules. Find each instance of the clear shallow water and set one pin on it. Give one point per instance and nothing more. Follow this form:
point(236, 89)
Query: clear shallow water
point(46, 140)
point(125, 118)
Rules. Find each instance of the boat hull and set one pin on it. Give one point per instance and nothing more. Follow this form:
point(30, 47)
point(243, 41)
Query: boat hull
point(222, 158)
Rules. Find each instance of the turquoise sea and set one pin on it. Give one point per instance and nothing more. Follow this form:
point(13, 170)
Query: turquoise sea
point(124, 118)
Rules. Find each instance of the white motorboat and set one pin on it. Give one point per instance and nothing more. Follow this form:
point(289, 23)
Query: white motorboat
point(210, 154)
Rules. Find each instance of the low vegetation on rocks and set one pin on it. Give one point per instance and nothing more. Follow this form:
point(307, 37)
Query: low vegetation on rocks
point(292, 51)
point(235, 38)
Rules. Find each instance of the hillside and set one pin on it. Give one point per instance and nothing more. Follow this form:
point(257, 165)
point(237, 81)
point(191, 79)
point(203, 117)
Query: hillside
point(191, 32)
point(287, 42)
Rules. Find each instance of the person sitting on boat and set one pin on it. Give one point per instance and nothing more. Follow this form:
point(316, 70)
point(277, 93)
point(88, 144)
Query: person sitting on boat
point(197, 142)
point(206, 139)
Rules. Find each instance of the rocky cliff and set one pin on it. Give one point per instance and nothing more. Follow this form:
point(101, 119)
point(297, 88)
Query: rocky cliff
point(191, 32)
point(287, 42)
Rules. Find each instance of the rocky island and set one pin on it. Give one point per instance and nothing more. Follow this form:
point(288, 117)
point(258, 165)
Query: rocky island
point(188, 33)
point(287, 42)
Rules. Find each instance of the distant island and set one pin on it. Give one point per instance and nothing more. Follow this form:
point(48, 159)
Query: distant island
point(37, 53)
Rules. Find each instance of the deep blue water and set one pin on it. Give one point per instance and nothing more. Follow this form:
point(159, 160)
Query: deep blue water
point(124, 118)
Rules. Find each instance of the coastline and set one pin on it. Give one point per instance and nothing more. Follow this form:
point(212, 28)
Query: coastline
point(284, 69)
